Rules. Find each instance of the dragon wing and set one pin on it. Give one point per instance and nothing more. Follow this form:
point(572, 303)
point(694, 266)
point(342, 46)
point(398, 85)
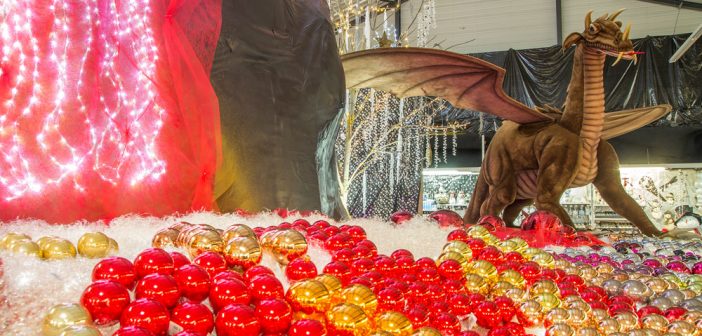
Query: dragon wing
point(464, 81)
point(622, 122)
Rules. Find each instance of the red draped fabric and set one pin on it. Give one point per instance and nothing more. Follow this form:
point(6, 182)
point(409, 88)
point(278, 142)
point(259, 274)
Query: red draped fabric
point(106, 108)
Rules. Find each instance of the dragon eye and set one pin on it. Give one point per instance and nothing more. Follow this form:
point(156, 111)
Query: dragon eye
point(593, 29)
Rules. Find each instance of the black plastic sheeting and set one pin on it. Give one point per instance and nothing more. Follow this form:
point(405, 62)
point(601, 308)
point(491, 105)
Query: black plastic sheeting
point(279, 81)
point(540, 76)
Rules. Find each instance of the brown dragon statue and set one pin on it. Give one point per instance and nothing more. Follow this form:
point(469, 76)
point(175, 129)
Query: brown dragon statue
point(537, 153)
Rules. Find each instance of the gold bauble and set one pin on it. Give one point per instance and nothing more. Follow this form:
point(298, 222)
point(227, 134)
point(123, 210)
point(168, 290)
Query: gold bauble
point(476, 284)
point(308, 295)
point(599, 280)
point(695, 287)
point(513, 277)
point(507, 246)
point(243, 251)
point(578, 318)
point(64, 315)
point(683, 328)
point(572, 269)
point(544, 286)
point(113, 248)
point(599, 314)
point(672, 278)
point(500, 288)
point(532, 311)
point(80, 330)
point(332, 283)
point(267, 238)
point(484, 269)
point(491, 239)
point(547, 301)
point(561, 263)
point(543, 259)
point(692, 316)
point(604, 268)
point(530, 252)
point(179, 226)
point(556, 316)
point(204, 241)
point(379, 332)
point(628, 321)
point(45, 239)
point(395, 323)
point(8, 239)
point(517, 295)
point(26, 247)
point(93, 245)
point(165, 238)
point(655, 322)
point(184, 235)
point(465, 265)
point(288, 245)
point(477, 231)
point(693, 278)
point(587, 332)
point(359, 295)
point(349, 319)
point(521, 244)
point(621, 277)
point(57, 249)
point(459, 247)
point(317, 316)
point(237, 230)
point(560, 329)
point(426, 331)
point(608, 326)
point(588, 273)
point(582, 305)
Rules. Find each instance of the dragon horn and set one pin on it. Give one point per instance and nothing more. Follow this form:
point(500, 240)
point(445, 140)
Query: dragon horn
point(603, 17)
point(588, 20)
point(614, 16)
point(625, 35)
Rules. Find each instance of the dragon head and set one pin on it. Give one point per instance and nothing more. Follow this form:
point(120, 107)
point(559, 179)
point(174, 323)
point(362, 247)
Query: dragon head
point(605, 35)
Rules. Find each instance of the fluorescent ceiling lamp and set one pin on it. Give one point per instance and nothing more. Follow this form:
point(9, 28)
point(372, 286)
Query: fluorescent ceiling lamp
point(687, 45)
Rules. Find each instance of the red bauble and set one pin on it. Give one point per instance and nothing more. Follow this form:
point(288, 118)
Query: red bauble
point(674, 313)
point(406, 265)
point(590, 296)
point(458, 234)
point(438, 307)
point(476, 245)
point(386, 266)
point(399, 217)
point(429, 275)
point(344, 255)
point(211, 262)
point(117, 269)
point(193, 317)
point(435, 292)
point(256, 271)
point(475, 300)
point(491, 254)
point(132, 331)
point(514, 256)
point(417, 293)
point(361, 280)
point(275, 315)
point(228, 292)
point(515, 329)
point(451, 269)
point(265, 286)
point(357, 233)
point(488, 315)
point(179, 260)
point(401, 253)
point(284, 226)
point(153, 260)
point(307, 328)
point(425, 262)
point(446, 218)
point(389, 299)
point(301, 222)
point(227, 275)
point(193, 281)
point(361, 251)
point(447, 324)
point(105, 300)
point(678, 267)
point(460, 305)
point(530, 270)
point(491, 223)
point(158, 287)
point(300, 268)
point(452, 286)
point(340, 270)
point(506, 306)
point(320, 224)
point(543, 221)
point(648, 310)
point(418, 315)
point(575, 280)
point(547, 273)
point(148, 314)
point(237, 320)
point(331, 230)
point(338, 241)
point(362, 265)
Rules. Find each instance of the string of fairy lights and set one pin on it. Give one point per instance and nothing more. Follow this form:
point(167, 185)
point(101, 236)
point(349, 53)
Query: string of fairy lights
point(81, 96)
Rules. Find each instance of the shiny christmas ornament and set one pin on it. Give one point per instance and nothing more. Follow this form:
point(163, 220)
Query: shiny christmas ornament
point(447, 324)
point(556, 316)
point(418, 315)
point(426, 331)
point(608, 326)
point(332, 283)
point(543, 259)
point(513, 277)
point(118, 269)
point(560, 329)
point(275, 315)
point(547, 301)
point(158, 287)
point(348, 319)
point(476, 284)
point(636, 290)
point(243, 251)
point(394, 323)
point(80, 330)
point(683, 328)
point(459, 247)
point(165, 238)
point(655, 322)
point(544, 286)
point(10, 238)
point(26, 247)
point(448, 255)
point(657, 285)
point(451, 269)
point(229, 291)
point(446, 218)
point(507, 246)
point(339, 270)
point(627, 321)
point(587, 332)
point(193, 282)
point(599, 314)
point(105, 300)
point(500, 288)
point(613, 287)
point(179, 260)
point(237, 320)
point(390, 299)
point(517, 295)
point(288, 245)
point(674, 295)
point(64, 315)
point(458, 234)
point(578, 318)
point(485, 269)
point(530, 313)
point(212, 262)
point(265, 286)
point(225, 275)
point(401, 216)
point(193, 317)
point(308, 296)
point(58, 249)
point(204, 241)
point(148, 314)
point(360, 296)
point(132, 331)
point(477, 231)
point(235, 231)
point(306, 327)
point(153, 260)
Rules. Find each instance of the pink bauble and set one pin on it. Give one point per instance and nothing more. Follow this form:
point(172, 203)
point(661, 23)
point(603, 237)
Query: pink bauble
point(447, 218)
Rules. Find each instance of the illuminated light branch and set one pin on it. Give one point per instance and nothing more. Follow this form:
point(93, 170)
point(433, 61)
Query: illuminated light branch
point(75, 105)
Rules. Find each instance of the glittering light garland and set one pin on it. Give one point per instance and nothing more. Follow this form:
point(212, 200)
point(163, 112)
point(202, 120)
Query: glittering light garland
point(63, 118)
